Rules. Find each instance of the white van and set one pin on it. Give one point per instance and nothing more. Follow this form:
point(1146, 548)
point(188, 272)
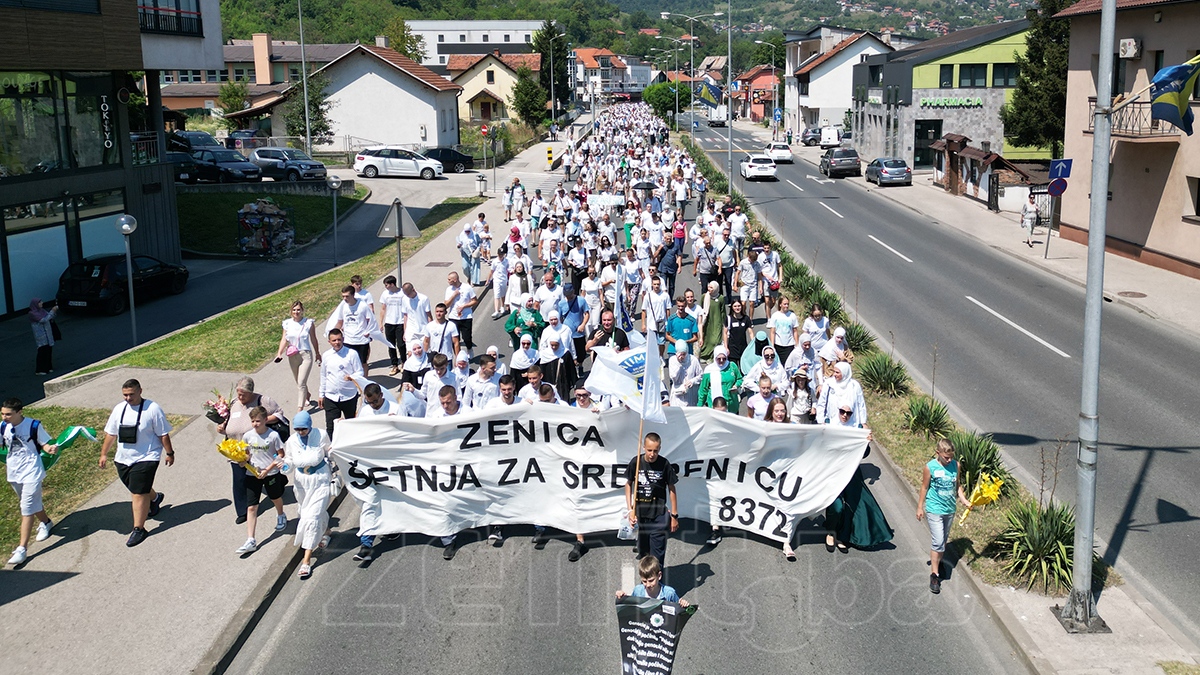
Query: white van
point(831, 137)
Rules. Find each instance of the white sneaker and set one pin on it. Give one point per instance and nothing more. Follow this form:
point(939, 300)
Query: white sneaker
point(249, 547)
point(280, 522)
point(18, 556)
point(43, 531)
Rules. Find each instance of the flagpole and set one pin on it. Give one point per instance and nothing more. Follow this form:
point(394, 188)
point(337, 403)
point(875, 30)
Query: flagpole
point(1122, 101)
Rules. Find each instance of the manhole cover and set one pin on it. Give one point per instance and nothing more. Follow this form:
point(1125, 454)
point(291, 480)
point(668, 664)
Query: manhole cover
point(1131, 294)
point(438, 264)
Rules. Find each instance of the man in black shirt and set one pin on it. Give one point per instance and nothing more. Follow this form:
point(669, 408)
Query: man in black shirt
point(653, 481)
point(607, 334)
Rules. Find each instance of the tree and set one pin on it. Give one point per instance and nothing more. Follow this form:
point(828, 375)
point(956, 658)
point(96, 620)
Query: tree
point(231, 97)
point(528, 99)
point(661, 97)
point(318, 110)
point(403, 40)
point(544, 43)
point(1034, 115)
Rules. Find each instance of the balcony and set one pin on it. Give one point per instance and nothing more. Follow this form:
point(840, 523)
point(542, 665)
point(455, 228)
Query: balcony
point(174, 20)
point(144, 147)
point(1134, 124)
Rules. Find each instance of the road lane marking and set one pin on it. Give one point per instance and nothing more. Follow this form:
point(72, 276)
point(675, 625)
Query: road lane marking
point(1010, 322)
point(795, 186)
point(834, 212)
point(890, 248)
point(821, 180)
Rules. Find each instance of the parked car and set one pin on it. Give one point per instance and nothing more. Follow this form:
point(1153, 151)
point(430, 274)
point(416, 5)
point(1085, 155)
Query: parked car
point(889, 171)
point(779, 152)
point(246, 139)
point(225, 166)
point(831, 137)
point(190, 141)
point(848, 138)
point(385, 160)
point(757, 166)
point(185, 167)
point(811, 136)
point(840, 162)
point(287, 164)
point(449, 157)
point(100, 283)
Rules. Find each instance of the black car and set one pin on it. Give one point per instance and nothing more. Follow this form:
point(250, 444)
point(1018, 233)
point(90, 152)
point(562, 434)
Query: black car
point(246, 139)
point(185, 167)
point(190, 141)
point(100, 283)
point(287, 164)
point(225, 166)
point(452, 159)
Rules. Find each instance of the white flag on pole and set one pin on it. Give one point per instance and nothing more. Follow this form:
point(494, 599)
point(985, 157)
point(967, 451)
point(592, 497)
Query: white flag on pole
point(652, 408)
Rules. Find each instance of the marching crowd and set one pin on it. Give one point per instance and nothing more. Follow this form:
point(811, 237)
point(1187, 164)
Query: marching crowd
point(602, 261)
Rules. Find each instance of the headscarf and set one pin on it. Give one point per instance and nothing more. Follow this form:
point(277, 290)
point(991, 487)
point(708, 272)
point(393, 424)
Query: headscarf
point(462, 374)
point(522, 358)
point(714, 369)
point(525, 312)
point(36, 313)
point(559, 333)
point(414, 363)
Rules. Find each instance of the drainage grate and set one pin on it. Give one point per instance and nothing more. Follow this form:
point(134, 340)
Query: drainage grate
point(438, 264)
point(1131, 294)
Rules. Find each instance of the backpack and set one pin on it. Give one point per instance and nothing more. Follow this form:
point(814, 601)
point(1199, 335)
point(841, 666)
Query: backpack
point(48, 460)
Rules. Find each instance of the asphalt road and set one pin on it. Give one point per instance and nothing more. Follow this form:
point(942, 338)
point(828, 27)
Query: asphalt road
point(519, 610)
point(1002, 342)
point(217, 285)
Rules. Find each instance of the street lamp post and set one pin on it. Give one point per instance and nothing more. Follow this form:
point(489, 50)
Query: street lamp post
point(303, 81)
point(692, 47)
point(678, 46)
point(774, 88)
point(335, 185)
point(729, 88)
point(553, 100)
point(127, 225)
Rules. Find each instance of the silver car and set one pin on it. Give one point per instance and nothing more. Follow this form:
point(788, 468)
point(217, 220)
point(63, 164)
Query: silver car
point(889, 171)
point(287, 164)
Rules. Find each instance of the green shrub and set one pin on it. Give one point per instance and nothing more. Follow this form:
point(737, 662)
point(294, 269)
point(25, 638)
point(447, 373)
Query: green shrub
point(806, 289)
point(793, 270)
point(881, 373)
point(832, 304)
point(927, 416)
point(859, 339)
point(978, 454)
point(1039, 545)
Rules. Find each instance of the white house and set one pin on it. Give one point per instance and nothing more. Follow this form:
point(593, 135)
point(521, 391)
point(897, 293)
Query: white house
point(821, 87)
point(381, 96)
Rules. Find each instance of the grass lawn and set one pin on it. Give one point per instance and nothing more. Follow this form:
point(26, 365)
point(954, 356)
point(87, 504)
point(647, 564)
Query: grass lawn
point(244, 339)
point(209, 222)
point(76, 477)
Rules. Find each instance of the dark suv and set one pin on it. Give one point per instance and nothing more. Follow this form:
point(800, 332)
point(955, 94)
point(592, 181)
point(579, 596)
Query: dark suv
point(190, 141)
point(287, 164)
point(246, 139)
point(840, 162)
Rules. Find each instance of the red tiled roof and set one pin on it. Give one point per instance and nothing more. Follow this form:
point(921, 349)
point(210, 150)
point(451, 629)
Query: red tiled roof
point(812, 64)
point(1093, 6)
point(674, 75)
point(649, 31)
point(485, 92)
point(458, 63)
point(754, 72)
point(405, 65)
point(588, 55)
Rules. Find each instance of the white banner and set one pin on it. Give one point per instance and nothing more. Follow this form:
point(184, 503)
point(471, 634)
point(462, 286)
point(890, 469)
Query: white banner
point(565, 468)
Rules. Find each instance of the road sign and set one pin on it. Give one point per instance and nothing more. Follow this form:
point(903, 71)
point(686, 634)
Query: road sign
point(398, 221)
point(778, 114)
point(483, 130)
point(1060, 168)
point(1057, 187)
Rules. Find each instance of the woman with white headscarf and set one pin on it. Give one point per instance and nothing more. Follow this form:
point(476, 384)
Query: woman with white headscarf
point(841, 392)
point(855, 517)
point(834, 350)
point(553, 346)
point(522, 358)
point(462, 371)
point(416, 365)
point(721, 379)
point(770, 366)
point(524, 319)
point(307, 451)
point(501, 367)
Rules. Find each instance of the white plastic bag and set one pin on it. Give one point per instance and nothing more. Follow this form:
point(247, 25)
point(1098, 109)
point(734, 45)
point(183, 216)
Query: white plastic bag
point(626, 532)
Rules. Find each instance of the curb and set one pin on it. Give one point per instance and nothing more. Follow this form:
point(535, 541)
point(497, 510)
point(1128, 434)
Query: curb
point(229, 641)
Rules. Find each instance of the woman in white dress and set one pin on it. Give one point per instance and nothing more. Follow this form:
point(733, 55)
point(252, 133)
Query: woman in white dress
point(298, 344)
point(590, 289)
point(306, 451)
point(817, 326)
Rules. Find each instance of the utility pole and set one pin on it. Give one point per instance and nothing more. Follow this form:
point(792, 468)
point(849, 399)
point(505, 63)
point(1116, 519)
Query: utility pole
point(1079, 615)
point(304, 80)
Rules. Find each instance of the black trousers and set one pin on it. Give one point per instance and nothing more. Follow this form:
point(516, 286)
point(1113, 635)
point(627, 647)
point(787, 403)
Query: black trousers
point(727, 282)
point(782, 353)
point(239, 489)
point(364, 354)
point(394, 332)
point(705, 279)
point(45, 362)
point(670, 279)
point(464, 333)
point(335, 409)
point(652, 537)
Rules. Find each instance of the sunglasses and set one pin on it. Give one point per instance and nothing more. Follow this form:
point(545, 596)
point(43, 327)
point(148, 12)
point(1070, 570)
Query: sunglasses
point(845, 412)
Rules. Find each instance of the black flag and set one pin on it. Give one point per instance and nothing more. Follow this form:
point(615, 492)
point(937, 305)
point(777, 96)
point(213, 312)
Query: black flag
point(649, 632)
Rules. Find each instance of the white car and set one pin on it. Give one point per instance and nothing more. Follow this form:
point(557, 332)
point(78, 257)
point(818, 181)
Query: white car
point(757, 166)
point(390, 160)
point(780, 152)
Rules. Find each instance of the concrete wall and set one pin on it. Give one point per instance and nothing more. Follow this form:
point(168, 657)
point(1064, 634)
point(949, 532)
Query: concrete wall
point(371, 99)
point(302, 188)
point(180, 52)
point(1152, 214)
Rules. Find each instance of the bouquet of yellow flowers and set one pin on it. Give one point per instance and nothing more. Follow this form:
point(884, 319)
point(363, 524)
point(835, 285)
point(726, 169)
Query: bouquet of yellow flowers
point(987, 490)
point(236, 451)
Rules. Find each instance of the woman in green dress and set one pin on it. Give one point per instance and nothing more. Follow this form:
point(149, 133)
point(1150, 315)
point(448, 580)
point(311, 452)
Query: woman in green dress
point(721, 379)
point(712, 333)
point(855, 518)
point(526, 319)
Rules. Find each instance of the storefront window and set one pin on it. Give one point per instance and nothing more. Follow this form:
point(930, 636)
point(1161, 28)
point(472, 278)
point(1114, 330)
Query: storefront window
point(972, 75)
point(91, 107)
point(35, 260)
point(31, 115)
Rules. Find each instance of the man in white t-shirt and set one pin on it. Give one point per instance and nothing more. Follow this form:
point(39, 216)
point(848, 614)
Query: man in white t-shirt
point(483, 386)
point(354, 318)
point(461, 301)
point(26, 439)
point(141, 431)
point(547, 296)
point(529, 393)
point(737, 228)
point(361, 293)
point(656, 309)
point(375, 404)
point(417, 313)
point(391, 317)
point(441, 336)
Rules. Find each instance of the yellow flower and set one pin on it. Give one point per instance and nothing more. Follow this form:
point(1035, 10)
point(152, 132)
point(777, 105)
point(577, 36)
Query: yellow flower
point(234, 450)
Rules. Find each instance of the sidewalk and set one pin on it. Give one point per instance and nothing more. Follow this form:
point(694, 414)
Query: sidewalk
point(1141, 635)
point(180, 600)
